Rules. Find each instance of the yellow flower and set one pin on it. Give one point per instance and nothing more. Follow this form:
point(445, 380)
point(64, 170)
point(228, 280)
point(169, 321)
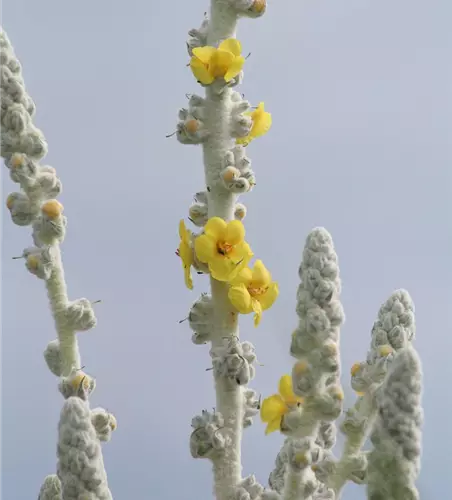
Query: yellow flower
point(223, 248)
point(185, 252)
point(275, 407)
point(262, 121)
point(209, 63)
point(253, 291)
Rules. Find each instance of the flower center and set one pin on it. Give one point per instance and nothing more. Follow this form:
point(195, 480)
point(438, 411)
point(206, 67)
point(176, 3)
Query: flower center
point(224, 248)
point(256, 291)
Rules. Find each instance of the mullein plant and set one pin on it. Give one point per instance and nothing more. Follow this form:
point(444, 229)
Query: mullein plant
point(310, 399)
point(80, 470)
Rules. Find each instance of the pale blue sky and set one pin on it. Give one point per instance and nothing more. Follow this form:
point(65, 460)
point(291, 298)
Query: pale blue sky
point(360, 93)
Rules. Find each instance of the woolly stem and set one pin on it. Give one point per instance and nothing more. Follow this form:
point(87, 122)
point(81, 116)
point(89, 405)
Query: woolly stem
point(227, 468)
point(57, 293)
point(294, 485)
point(354, 442)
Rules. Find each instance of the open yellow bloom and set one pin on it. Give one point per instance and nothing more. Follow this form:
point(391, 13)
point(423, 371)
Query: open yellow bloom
point(185, 252)
point(275, 407)
point(209, 63)
point(262, 121)
point(223, 248)
point(253, 291)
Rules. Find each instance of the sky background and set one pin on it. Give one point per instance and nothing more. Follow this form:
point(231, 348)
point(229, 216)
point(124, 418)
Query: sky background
point(360, 93)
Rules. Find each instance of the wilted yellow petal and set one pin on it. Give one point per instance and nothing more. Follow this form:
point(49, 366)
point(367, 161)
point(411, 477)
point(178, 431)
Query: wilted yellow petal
point(231, 45)
point(220, 62)
point(205, 248)
point(235, 232)
point(274, 425)
point(204, 54)
point(240, 298)
point(286, 389)
point(257, 308)
point(216, 228)
point(201, 72)
point(261, 276)
point(272, 407)
point(268, 298)
point(234, 68)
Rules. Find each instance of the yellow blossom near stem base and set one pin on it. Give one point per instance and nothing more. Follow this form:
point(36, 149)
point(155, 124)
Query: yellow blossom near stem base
point(262, 121)
point(253, 291)
point(223, 248)
point(275, 407)
point(209, 63)
point(185, 252)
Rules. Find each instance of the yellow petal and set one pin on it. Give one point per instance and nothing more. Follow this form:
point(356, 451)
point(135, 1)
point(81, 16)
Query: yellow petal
point(286, 389)
point(274, 425)
point(234, 68)
point(216, 228)
point(235, 232)
point(183, 231)
point(261, 124)
point(231, 45)
point(261, 276)
point(268, 298)
point(240, 298)
point(241, 253)
point(222, 269)
point(220, 62)
point(257, 308)
point(204, 54)
point(201, 72)
point(188, 278)
point(272, 407)
point(205, 248)
point(244, 276)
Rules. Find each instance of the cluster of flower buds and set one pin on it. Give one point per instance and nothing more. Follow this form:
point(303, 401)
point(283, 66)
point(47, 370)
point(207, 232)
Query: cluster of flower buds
point(198, 36)
point(77, 384)
point(251, 406)
point(104, 422)
point(39, 261)
point(39, 181)
point(80, 315)
point(17, 108)
point(234, 360)
point(277, 475)
point(50, 226)
point(248, 489)
point(51, 488)
point(207, 440)
point(241, 121)
point(191, 129)
point(198, 212)
point(237, 175)
point(200, 319)
point(315, 342)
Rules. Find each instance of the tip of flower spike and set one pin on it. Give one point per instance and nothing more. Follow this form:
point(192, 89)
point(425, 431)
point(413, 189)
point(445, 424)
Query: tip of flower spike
point(52, 208)
point(355, 369)
point(10, 201)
